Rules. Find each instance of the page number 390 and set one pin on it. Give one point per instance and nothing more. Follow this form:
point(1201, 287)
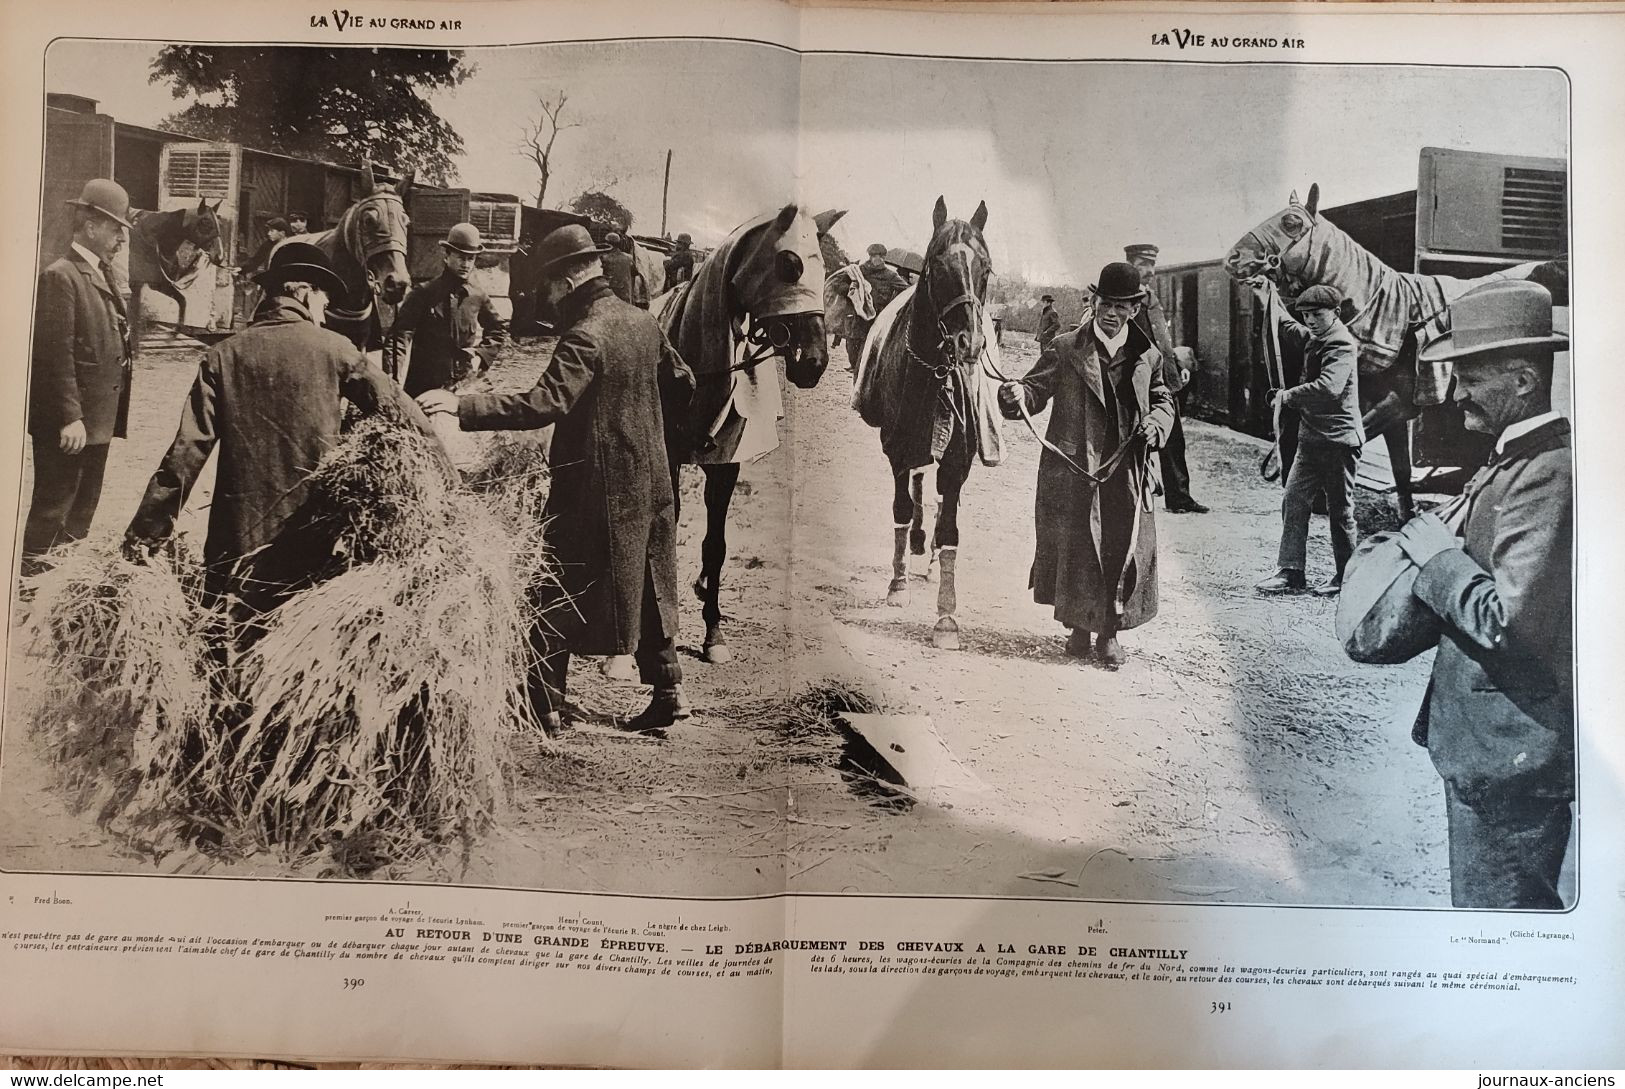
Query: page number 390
point(1220, 1007)
point(351, 983)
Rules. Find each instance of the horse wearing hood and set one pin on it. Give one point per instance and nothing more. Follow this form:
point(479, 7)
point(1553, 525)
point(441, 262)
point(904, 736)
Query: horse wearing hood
point(755, 300)
point(921, 381)
point(1393, 314)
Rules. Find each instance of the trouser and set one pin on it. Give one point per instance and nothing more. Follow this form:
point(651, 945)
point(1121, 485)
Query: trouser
point(856, 334)
point(656, 656)
point(1176, 475)
point(1509, 854)
point(1317, 466)
point(67, 488)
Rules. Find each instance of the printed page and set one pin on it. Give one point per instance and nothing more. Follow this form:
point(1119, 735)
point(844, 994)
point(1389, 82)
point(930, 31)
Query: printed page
point(1021, 723)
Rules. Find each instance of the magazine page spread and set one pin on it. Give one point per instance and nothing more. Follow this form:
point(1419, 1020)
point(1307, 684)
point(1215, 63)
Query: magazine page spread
point(817, 536)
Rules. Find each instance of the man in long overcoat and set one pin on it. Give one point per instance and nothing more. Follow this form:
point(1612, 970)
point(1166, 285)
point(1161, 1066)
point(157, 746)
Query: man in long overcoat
point(1049, 321)
point(78, 394)
point(447, 329)
point(612, 509)
point(270, 398)
point(1498, 717)
point(1096, 556)
point(1153, 320)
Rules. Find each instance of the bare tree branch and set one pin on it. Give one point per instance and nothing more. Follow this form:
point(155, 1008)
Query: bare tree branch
point(539, 137)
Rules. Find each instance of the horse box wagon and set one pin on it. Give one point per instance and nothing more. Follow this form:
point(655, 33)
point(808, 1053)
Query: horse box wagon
point(1471, 214)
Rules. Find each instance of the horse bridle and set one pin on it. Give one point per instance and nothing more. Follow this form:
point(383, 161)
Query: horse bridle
point(940, 369)
point(389, 245)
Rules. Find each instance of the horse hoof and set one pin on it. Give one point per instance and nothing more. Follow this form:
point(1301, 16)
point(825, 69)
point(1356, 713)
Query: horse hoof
point(897, 594)
point(619, 667)
point(946, 635)
point(717, 653)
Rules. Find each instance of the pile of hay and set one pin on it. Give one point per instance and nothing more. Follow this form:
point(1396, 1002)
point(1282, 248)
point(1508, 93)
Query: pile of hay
point(372, 719)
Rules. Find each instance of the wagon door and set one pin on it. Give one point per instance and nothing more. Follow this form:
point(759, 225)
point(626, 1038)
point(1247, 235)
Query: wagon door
point(78, 147)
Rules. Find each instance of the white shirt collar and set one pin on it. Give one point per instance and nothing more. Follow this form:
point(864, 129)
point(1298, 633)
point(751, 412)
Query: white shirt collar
point(95, 262)
point(1523, 427)
point(1112, 344)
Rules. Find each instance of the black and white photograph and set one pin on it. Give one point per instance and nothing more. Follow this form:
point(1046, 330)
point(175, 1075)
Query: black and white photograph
point(695, 468)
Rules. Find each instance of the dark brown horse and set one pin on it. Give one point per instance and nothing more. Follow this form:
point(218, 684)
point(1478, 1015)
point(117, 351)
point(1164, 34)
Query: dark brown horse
point(168, 251)
point(367, 248)
point(921, 383)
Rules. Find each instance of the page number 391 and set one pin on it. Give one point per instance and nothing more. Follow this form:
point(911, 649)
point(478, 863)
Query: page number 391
point(1220, 1007)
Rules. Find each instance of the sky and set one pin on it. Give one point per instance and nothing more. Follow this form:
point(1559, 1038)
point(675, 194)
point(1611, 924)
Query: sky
point(1074, 159)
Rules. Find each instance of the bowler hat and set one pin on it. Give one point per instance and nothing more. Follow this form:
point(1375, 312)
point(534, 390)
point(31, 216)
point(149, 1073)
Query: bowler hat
point(685, 239)
point(1318, 297)
point(1140, 249)
point(1046, 298)
point(300, 262)
point(1119, 282)
point(876, 249)
point(567, 243)
point(464, 238)
point(107, 197)
point(1499, 316)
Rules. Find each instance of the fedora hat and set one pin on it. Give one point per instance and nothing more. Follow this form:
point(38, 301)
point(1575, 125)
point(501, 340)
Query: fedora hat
point(464, 238)
point(107, 197)
point(300, 262)
point(1497, 317)
point(571, 242)
point(1119, 282)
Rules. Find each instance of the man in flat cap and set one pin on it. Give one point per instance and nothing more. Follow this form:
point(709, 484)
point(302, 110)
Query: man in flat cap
point(611, 513)
point(1498, 717)
point(1327, 406)
point(1176, 474)
point(79, 387)
point(269, 397)
point(884, 284)
point(1049, 322)
point(448, 329)
point(1096, 555)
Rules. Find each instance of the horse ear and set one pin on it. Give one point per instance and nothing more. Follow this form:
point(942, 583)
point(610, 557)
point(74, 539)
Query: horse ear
point(979, 219)
point(407, 183)
point(939, 215)
point(827, 220)
point(367, 181)
point(1314, 198)
point(202, 204)
point(1293, 201)
point(215, 207)
point(786, 216)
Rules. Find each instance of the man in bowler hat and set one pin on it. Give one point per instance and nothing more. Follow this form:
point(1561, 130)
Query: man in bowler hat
point(269, 397)
point(448, 329)
point(1498, 717)
point(1049, 322)
point(612, 510)
point(1096, 554)
point(1176, 474)
point(79, 388)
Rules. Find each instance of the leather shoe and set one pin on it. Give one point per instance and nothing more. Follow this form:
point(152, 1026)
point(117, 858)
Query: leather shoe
point(1189, 506)
point(1110, 651)
point(1078, 643)
point(1330, 588)
point(1284, 581)
point(666, 709)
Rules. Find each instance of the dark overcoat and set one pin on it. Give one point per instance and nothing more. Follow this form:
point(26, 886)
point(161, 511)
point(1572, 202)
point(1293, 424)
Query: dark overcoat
point(436, 320)
point(1498, 717)
point(81, 356)
point(269, 397)
point(1071, 570)
point(611, 510)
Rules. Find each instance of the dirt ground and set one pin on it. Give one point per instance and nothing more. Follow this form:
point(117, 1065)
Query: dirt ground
point(1238, 756)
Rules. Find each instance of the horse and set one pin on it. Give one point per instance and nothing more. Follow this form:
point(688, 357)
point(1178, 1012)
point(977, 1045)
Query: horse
point(367, 248)
point(168, 250)
point(1395, 314)
point(920, 381)
point(756, 298)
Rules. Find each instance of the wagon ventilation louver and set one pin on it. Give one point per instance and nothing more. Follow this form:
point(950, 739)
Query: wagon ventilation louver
point(1533, 210)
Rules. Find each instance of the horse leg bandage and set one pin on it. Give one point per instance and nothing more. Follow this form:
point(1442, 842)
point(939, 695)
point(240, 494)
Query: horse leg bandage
point(946, 634)
point(897, 593)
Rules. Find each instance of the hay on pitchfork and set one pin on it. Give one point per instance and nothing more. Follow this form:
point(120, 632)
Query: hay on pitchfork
point(127, 686)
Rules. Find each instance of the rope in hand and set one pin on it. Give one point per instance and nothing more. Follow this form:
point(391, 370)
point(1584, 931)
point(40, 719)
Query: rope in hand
point(1108, 468)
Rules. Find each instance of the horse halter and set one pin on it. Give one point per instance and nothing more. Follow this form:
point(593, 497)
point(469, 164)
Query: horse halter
point(946, 339)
